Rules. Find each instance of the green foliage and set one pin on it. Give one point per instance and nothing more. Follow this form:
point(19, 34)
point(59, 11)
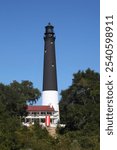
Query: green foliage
point(13, 102)
point(79, 110)
point(40, 131)
point(26, 90)
point(80, 102)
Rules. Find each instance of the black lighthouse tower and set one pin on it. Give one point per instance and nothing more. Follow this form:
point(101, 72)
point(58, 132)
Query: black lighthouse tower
point(49, 72)
point(50, 89)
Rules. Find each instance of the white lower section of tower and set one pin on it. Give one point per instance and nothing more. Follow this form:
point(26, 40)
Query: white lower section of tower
point(50, 97)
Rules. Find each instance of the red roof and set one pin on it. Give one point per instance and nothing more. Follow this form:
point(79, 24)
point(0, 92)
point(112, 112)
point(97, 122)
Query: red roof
point(40, 108)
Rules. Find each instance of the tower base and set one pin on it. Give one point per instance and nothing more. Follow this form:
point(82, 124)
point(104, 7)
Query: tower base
point(50, 97)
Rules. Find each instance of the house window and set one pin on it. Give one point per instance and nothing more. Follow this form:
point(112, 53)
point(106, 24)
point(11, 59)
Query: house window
point(43, 113)
point(36, 120)
point(27, 120)
point(43, 120)
point(49, 113)
point(29, 113)
point(35, 113)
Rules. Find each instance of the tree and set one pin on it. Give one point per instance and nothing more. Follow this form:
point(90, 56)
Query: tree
point(79, 105)
point(16, 95)
point(13, 103)
point(80, 111)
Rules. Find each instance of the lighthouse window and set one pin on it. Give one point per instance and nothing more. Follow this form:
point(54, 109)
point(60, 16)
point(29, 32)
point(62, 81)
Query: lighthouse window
point(52, 65)
point(45, 50)
point(50, 35)
point(51, 42)
point(49, 30)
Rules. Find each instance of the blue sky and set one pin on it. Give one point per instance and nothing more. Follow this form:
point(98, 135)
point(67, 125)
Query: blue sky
point(22, 24)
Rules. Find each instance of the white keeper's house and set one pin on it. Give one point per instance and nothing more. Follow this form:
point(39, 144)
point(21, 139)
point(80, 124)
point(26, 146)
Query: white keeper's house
point(39, 114)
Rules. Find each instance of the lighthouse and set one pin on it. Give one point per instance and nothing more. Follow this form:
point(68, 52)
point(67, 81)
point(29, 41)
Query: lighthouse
point(50, 87)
